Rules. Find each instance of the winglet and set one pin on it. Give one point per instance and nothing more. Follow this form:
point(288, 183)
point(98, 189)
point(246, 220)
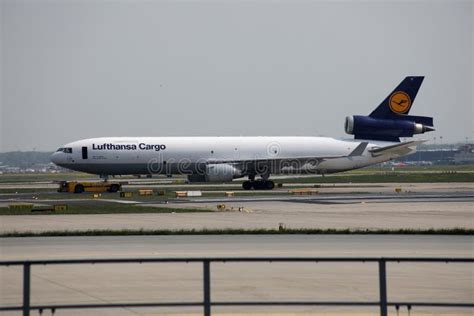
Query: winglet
point(359, 150)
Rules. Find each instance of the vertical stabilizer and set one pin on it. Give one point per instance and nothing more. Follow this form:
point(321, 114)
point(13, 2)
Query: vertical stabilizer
point(400, 101)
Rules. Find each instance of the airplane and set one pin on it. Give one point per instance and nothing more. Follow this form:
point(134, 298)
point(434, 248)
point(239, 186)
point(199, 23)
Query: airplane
point(222, 159)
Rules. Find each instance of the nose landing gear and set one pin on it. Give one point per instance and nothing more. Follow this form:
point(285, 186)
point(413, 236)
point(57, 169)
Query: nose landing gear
point(258, 185)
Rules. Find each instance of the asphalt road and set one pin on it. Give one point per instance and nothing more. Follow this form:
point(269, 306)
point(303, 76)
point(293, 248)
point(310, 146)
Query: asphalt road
point(243, 245)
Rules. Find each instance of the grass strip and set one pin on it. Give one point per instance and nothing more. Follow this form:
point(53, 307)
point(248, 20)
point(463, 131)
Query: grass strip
point(286, 231)
point(105, 208)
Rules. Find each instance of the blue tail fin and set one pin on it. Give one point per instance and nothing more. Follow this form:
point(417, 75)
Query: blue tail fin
point(400, 101)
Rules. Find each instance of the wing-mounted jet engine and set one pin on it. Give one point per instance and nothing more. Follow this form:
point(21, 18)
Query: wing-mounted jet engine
point(216, 173)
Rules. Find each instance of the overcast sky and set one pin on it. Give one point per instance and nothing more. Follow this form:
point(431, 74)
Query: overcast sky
point(80, 69)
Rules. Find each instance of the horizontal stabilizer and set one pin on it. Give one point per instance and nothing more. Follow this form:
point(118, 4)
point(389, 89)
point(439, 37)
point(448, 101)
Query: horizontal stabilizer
point(359, 150)
point(397, 149)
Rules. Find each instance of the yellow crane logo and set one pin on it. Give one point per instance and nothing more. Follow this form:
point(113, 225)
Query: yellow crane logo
point(400, 102)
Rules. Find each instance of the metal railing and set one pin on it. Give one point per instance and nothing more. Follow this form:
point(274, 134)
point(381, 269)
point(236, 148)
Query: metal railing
point(207, 303)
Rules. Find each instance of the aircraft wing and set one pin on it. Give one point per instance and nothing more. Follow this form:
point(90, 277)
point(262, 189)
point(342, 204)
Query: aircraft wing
point(261, 164)
point(397, 149)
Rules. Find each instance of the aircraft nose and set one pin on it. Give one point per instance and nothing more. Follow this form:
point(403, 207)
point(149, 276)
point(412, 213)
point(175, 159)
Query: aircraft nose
point(56, 158)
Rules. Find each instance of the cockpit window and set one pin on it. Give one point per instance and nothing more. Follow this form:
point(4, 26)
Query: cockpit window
point(67, 150)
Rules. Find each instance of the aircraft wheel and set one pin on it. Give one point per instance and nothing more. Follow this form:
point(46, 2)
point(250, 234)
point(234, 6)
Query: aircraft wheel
point(114, 188)
point(79, 188)
point(269, 185)
point(259, 185)
point(247, 185)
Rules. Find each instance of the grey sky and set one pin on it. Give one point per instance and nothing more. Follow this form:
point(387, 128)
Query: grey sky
point(80, 69)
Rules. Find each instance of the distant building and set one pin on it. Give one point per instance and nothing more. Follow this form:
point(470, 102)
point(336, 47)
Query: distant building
point(465, 154)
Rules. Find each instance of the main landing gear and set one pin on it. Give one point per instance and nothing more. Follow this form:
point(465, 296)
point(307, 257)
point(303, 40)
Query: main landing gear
point(258, 185)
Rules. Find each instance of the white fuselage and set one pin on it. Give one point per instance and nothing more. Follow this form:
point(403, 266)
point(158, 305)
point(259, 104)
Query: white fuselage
point(187, 155)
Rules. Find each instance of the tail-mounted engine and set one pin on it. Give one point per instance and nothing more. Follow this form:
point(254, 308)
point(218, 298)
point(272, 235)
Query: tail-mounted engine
point(366, 127)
